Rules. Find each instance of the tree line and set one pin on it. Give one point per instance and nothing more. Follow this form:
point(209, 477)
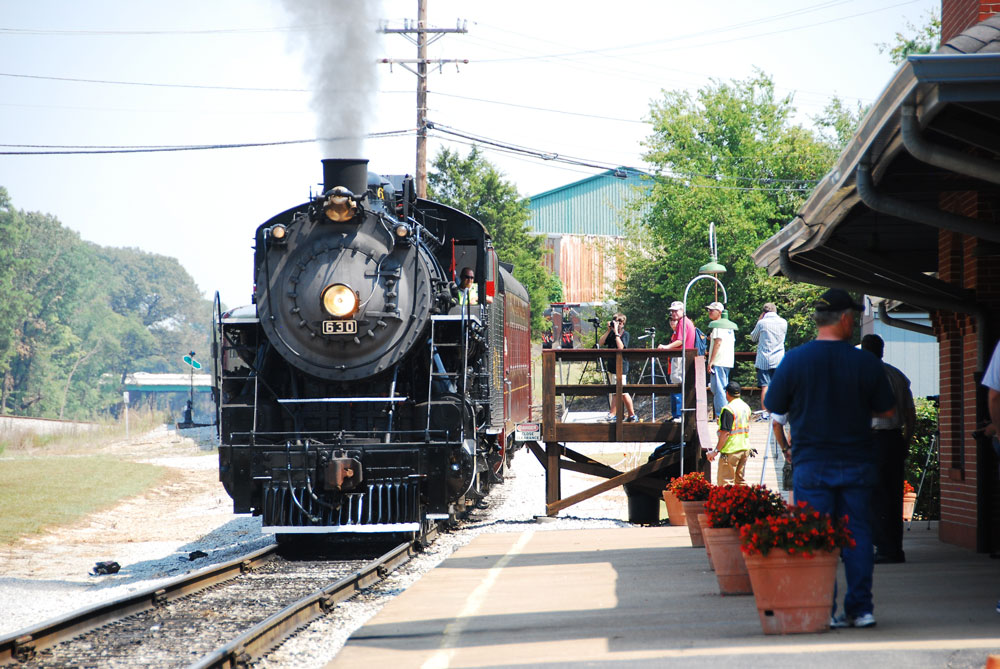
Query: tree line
point(77, 317)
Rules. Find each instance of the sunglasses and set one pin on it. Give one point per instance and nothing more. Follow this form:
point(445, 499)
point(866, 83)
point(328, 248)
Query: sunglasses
point(468, 276)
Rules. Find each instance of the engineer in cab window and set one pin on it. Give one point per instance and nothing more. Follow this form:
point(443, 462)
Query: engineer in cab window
point(468, 292)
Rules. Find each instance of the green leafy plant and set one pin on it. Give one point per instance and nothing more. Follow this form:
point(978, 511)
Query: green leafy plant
point(924, 454)
point(736, 505)
point(799, 530)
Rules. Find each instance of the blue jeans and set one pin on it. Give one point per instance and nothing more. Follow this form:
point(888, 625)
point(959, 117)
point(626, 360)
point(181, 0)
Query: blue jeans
point(717, 381)
point(845, 488)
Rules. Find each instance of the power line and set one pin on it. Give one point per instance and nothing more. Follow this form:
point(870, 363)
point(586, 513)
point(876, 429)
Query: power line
point(56, 149)
point(795, 185)
point(542, 109)
point(207, 31)
point(156, 85)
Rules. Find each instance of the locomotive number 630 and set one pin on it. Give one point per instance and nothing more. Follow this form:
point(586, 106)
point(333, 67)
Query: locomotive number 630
point(340, 327)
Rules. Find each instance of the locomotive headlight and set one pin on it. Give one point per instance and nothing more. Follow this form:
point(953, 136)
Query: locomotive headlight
point(340, 206)
point(402, 231)
point(279, 233)
point(339, 300)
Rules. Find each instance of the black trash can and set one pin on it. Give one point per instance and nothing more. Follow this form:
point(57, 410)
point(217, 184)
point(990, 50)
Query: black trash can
point(643, 508)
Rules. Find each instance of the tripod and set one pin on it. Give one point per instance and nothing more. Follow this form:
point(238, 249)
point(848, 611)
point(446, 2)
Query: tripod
point(651, 335)
point(600, 363)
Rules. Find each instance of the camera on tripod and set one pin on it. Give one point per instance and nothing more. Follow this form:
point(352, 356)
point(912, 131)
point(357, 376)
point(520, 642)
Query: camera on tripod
point(650, 331)
point(596, 322)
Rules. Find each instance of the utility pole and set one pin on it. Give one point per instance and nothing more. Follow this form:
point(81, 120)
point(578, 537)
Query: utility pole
point(422, 31)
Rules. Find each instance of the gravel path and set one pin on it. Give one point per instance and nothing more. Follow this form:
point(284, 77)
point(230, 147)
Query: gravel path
point(151, 537)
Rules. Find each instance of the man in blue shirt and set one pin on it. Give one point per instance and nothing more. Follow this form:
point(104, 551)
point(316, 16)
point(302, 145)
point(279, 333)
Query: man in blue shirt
point(769, 335)
point(830, 391)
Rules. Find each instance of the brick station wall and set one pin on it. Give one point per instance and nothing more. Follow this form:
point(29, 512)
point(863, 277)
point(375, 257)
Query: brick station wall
point(965, 467)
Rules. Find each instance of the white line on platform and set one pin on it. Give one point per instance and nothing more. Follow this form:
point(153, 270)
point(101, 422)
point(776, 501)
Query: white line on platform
point(442, 658)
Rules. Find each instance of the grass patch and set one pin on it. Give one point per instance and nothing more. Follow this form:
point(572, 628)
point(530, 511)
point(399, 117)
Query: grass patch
point(21, 441)
point(38, 492)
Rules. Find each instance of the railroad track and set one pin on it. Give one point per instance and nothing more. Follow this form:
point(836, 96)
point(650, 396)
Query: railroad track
point(220, 616)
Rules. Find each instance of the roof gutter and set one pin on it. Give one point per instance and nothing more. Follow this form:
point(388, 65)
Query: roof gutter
point(894, 206)
point(941, 156)
point(801, 274)
point(903, 324)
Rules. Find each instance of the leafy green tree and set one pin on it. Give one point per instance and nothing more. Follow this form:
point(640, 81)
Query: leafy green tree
point(12, 301)
point(728, 155)
point(473, 185)
point(923, 39)
point(72, 312)
point(838, 122)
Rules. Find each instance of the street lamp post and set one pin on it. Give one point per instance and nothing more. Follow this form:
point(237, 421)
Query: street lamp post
point(684, 409)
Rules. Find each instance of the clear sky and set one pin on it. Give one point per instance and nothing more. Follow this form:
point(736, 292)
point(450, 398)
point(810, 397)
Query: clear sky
point(558, 77)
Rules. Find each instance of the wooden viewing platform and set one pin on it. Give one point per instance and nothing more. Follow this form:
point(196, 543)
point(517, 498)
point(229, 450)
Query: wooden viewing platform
point(693, 431)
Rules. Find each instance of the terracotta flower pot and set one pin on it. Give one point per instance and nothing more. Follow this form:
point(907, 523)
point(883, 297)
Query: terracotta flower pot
point(794, 593)
point(730, 569)
point(703, 522)
point(691, 511)
point(675, 510)
point(909, 501)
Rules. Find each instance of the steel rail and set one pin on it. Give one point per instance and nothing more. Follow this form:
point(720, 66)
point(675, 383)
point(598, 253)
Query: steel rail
point(263, 636)
point(23, 644)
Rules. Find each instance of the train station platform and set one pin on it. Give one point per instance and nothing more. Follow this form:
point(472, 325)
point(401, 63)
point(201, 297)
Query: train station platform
point(645, 597)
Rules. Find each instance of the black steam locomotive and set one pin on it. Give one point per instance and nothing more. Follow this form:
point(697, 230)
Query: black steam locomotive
point(361, 392)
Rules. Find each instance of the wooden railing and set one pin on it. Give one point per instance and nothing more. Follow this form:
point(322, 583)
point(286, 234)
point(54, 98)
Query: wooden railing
point(693, 431)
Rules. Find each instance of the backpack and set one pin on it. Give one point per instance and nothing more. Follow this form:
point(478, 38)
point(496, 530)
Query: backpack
point(700, 342)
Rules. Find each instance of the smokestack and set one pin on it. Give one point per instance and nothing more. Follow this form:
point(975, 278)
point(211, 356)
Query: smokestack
point(352, 173)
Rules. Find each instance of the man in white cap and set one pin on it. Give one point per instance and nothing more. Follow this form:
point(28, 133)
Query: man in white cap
point(721, 358)
point(683, 336)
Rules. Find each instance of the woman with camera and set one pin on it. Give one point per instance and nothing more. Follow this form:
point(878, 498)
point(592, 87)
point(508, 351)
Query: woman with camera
point(615, 336)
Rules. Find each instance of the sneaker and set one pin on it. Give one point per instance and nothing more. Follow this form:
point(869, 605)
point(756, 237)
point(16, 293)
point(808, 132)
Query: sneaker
point(839, 621)
point(864, 620)
point(632, 419)
point(609, 418)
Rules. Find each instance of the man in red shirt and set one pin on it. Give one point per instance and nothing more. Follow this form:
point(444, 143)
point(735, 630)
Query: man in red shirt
point(683, 335)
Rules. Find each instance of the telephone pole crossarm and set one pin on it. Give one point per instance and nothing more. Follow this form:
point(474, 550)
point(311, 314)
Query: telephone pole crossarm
point(424, 37)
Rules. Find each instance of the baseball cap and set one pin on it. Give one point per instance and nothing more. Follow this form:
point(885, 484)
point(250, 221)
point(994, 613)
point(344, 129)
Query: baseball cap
point(676, 305)
point(836, 299)
point(733, 388)
point(716, 306)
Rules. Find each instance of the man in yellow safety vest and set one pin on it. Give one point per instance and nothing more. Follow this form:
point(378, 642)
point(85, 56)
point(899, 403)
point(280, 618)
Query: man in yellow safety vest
point(733, 448)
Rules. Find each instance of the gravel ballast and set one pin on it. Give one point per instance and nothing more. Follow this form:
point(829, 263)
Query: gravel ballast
point(152, 536)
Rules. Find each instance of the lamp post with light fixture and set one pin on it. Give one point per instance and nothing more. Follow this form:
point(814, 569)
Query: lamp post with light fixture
point(722, 323)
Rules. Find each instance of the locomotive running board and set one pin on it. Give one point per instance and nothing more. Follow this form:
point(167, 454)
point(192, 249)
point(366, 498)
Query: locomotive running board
point(342, 399)
point(333, 529)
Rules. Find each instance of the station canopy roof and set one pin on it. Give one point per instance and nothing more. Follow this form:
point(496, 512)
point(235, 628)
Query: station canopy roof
point(872, 224)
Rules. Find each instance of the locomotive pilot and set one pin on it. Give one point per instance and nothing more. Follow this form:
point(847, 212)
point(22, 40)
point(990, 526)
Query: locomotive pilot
point(468, 292)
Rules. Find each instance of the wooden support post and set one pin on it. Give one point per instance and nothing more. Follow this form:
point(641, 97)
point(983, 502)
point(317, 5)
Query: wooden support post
point(548, 395)
point(554, 507)
point(553, 489)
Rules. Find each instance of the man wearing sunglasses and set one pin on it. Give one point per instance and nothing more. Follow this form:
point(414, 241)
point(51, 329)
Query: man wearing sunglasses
point(468, 292)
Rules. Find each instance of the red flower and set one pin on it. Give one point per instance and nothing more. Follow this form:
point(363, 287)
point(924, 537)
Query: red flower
point(907, 488)
point(798, 529)
point(692, 487)
point(736, 505)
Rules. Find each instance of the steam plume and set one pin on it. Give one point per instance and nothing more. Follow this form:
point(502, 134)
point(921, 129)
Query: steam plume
point(339, 55)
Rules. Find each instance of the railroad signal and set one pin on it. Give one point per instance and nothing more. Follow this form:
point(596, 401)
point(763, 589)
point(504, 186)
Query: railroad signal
point(189, 359)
